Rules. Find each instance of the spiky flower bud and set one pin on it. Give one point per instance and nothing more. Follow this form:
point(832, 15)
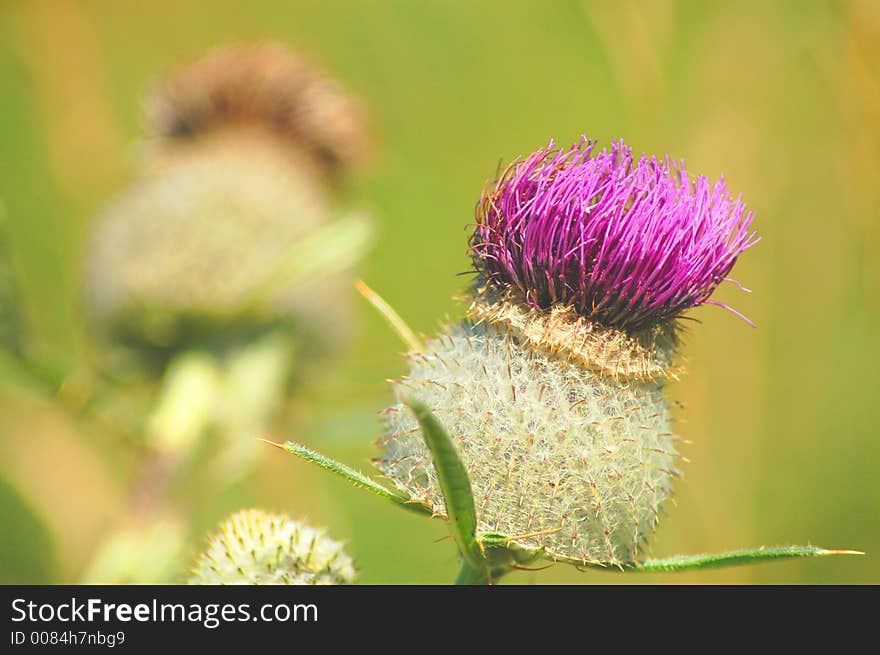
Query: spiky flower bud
point(255, 547)
point(552, 389)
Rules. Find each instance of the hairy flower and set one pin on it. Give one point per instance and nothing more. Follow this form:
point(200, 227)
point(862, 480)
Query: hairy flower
point(628, 243)
point(255, 547)
point(262, 83)
point(552, 389)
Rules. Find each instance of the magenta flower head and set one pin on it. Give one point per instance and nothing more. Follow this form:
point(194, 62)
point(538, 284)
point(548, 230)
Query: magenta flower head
point(627, 243)
point(552, 387)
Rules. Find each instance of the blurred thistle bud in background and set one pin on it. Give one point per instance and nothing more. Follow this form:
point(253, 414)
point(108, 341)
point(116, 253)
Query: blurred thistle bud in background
point(236, 224)
point(229, 258)
point(234, 236)
point(256, 547)
point(552, 388)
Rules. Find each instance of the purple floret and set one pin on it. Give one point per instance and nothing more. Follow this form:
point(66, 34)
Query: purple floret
point(627, 243)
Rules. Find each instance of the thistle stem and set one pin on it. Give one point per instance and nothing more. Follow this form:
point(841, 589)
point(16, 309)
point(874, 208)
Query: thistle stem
point(468, 575)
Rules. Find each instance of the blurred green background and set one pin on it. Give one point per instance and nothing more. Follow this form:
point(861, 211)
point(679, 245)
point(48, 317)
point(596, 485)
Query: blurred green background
point(782, 98)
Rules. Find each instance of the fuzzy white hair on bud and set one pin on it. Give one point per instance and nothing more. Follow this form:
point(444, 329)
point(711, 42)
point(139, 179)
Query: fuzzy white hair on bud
point(551, 447)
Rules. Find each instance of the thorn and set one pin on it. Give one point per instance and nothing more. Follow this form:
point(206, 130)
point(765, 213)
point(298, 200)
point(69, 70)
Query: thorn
point(524, 568)
point(538, 533)
point(272, 443)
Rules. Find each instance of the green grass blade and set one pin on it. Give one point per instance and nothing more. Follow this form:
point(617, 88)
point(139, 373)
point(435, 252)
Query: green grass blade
point(357, 478)
point(454, 483)
point(735, 558)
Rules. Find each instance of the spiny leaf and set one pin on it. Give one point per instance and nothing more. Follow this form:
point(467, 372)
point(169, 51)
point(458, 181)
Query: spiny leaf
point(736, 558)
point(701, 561)
point(357, 478)
point(454, 483)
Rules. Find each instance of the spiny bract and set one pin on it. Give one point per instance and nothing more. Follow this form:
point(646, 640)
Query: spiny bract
point(549, 446)
point(255, 547)
point(645, 355)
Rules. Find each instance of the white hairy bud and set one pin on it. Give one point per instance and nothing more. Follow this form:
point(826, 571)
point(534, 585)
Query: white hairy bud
point(551, 446)
point(255, 547)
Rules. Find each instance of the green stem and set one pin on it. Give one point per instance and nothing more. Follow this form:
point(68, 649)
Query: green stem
point(468, 575)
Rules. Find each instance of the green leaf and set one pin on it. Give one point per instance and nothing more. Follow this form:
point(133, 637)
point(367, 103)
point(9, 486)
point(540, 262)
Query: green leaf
point(742, 557)
point(357, 478)
point(454, 483)
point(736, 558)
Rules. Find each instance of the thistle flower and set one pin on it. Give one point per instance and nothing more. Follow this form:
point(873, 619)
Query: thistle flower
point(234, 225)
point(255, 547)
point(552, 388)
point(260, 84)
point(626, 243)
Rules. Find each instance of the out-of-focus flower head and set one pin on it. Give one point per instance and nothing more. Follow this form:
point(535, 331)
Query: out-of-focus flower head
point(260, 84)
point(234, 227)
